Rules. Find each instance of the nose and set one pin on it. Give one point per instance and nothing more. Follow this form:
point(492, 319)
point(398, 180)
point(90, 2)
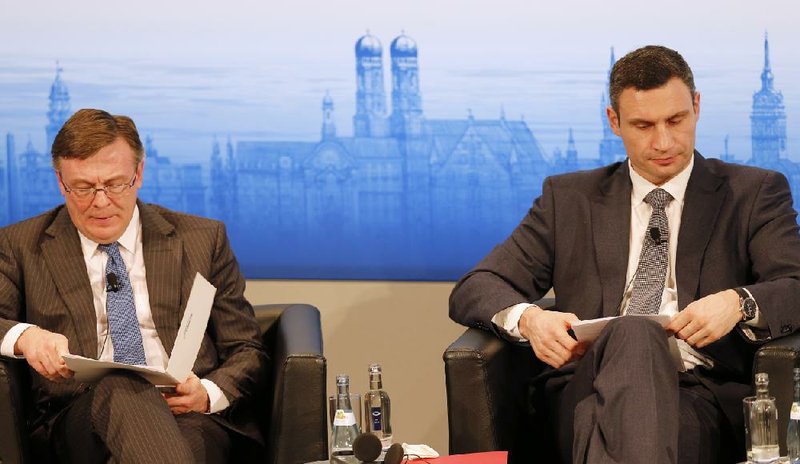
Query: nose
point(663, 139)
point(100, 198)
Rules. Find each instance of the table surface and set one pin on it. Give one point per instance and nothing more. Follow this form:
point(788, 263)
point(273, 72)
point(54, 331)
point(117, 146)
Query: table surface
point(489, 457)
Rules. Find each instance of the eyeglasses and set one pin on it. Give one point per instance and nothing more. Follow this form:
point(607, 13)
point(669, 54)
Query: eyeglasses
point(111, 191)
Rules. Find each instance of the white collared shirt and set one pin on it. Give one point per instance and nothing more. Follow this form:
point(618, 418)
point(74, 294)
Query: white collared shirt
point(640, 217)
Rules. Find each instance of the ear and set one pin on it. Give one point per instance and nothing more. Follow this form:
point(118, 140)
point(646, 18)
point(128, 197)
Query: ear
point(139, 173)
point(696, 105)
point(613, 120)
point(60, 183)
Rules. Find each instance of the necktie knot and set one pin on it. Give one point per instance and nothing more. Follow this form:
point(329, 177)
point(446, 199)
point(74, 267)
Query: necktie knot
point(658, 198)
point(111, 249)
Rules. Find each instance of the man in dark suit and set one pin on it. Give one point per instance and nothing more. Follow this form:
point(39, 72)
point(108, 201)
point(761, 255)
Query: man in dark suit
point(713, 245)
point(107, 276)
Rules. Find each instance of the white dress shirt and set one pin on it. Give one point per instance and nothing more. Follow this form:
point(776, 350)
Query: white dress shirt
point(130, 248)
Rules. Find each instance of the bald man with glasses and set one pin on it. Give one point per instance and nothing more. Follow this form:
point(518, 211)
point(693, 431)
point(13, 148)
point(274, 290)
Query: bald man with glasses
point(107, 276)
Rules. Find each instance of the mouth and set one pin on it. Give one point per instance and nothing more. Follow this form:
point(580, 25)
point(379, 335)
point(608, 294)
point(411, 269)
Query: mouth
point(102, 219)
point(663, 161)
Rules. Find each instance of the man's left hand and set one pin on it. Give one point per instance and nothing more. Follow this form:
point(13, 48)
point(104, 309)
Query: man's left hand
point(189, 396)
point(708, 319)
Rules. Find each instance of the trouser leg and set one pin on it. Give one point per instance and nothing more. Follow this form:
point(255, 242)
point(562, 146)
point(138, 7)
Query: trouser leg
point(124, 419)
point(621, 403)
point(209, 441)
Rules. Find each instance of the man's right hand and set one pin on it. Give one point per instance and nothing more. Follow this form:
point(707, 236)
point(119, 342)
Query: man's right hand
point(547, 333)
point(43, 349)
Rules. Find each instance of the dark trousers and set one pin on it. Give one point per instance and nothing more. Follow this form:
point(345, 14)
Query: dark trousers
point(625, 402)
point(123, 418)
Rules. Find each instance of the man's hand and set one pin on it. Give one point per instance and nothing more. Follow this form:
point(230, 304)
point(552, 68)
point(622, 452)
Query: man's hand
point(189, 396)
point(708, 319)
point(43, 349)
point(547, 333)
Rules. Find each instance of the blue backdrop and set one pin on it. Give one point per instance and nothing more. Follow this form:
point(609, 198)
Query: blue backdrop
point(332, 157)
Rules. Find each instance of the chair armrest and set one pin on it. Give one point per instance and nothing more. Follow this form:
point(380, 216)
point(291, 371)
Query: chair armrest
point(777, 358)
point(298, 429)
point(13, 429)
point(486, 382)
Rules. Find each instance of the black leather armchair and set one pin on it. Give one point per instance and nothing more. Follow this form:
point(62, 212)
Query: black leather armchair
point(488, 404)
point(293, 408)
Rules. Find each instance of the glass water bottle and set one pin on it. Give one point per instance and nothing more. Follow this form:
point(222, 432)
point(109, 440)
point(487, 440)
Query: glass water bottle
point(345, 429)
point(793, 431)
point(378, 408)
point(764, 424)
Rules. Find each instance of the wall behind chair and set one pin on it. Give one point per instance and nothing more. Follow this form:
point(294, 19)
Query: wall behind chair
point(402, 325)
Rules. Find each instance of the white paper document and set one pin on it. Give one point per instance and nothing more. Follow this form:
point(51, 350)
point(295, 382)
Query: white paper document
point(184, 352)
point(587, 332)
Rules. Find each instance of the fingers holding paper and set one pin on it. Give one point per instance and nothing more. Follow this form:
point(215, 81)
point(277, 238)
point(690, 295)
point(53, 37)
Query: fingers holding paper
point(189, 396)
point(707, 320)
point(547, 333)
point(43, 349)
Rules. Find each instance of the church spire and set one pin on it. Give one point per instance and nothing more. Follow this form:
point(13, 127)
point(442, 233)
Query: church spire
point(768, 118)
point(59, 109)
point(766, 74)
point(328, 125)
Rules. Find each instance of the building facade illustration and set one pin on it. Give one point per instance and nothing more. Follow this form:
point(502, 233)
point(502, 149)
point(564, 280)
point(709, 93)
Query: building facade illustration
point(406, 196)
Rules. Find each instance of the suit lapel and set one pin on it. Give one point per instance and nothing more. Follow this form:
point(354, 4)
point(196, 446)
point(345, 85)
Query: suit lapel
point(63, 255)
point(611, 219)
point(704, 198)
point(163, 254)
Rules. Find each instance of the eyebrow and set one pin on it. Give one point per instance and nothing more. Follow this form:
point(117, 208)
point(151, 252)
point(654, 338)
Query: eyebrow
point(647, 121)
point(119, 179)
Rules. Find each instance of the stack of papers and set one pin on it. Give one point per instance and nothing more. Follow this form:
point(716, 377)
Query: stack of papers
point(184, 352)
point(587, 332)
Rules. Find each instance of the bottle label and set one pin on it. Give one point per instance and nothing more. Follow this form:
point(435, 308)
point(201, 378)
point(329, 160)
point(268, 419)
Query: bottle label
point(795, 413)
point(345, 418)
point(377, 418)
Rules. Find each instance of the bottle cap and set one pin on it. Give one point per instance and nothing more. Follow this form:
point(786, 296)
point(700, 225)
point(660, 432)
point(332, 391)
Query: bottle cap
point(375, 368)
point(342, 379)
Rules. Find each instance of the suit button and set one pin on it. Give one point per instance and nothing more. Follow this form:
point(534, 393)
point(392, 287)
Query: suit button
point(786, 328)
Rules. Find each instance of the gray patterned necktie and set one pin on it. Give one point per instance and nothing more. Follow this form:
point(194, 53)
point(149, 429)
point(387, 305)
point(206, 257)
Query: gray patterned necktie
point(648, 282)
point(126, 337)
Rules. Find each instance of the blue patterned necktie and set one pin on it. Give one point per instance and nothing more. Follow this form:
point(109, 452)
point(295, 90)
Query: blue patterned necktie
point(648, 282)
point(126, 337)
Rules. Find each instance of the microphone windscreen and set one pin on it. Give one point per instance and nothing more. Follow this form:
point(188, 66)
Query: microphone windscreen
point(394, 455)
point(367, 447)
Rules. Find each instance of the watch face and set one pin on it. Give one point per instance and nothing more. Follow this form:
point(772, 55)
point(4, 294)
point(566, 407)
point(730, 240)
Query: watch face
point(749, 308)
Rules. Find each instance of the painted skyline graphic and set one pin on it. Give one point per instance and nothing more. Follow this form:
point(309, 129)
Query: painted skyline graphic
point(398, 194)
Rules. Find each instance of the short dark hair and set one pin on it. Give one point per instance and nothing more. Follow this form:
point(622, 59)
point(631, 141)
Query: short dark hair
point(89, 130)
point(648, 68)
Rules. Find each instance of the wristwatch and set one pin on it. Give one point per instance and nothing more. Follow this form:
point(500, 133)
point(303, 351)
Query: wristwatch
point(747, 304)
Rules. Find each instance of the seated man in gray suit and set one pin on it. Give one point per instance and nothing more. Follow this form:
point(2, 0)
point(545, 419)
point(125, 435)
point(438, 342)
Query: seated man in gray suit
point(713, 245)
point(107, 276)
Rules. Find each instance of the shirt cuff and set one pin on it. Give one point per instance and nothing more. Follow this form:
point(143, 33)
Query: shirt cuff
point(507, 320)
point(10, 340)
point(216, 399)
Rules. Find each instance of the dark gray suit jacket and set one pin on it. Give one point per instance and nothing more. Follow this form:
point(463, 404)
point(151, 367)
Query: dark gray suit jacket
point(738, 227)
point(43, 281)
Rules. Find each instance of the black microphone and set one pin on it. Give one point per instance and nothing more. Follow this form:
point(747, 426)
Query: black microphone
point(394, 455)
point(112, 283)
point(367, 449)
point(655, 234)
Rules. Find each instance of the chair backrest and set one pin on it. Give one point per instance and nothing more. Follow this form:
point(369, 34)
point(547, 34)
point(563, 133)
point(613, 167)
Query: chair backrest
point(15, 401)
